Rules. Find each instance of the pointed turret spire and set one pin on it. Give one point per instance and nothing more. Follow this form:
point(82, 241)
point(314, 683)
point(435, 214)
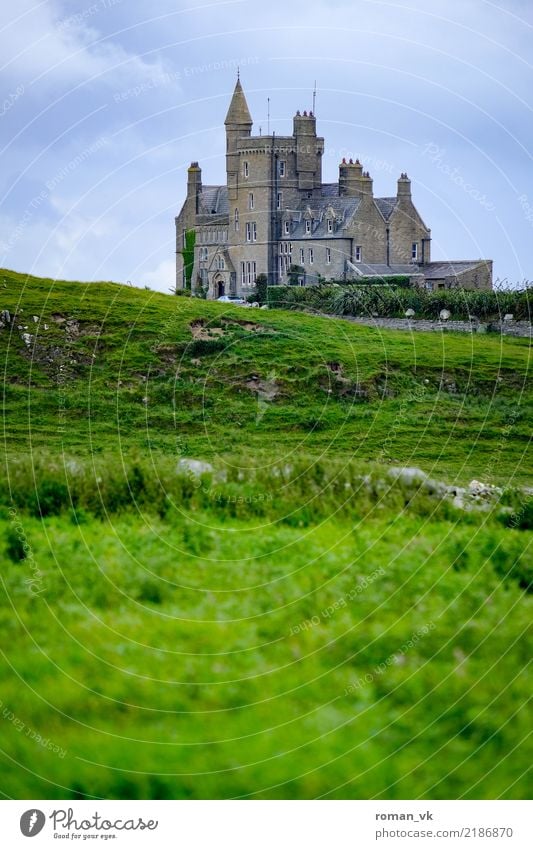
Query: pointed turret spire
point(238, 112)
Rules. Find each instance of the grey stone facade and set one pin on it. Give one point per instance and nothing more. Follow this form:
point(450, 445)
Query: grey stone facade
point(276, 217)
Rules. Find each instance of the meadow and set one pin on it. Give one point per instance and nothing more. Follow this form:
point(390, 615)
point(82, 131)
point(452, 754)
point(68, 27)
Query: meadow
point(286, 616)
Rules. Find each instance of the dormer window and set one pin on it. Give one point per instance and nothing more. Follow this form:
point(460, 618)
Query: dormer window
point(287, 229)
point(330, 225)
point(307, 227)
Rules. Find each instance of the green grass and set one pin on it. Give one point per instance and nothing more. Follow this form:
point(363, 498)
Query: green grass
point(135, 378)
point(292, 624)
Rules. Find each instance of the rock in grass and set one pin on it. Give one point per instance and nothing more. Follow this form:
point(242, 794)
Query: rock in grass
point(193, 467)
point(483, 490)
point(407, 474)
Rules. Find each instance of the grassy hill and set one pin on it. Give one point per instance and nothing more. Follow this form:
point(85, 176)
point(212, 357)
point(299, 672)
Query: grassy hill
point(149, 369)
point(291, 616)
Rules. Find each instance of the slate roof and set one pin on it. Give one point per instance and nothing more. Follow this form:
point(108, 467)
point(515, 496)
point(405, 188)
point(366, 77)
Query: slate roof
point(386, 206)
point(344, 209)
point(439, 270)
point(383, 270)
point(238, 112)
point(330, 190)
point(214, 200)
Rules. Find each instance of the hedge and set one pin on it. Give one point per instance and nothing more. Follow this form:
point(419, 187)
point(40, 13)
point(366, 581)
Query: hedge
point(393, 301)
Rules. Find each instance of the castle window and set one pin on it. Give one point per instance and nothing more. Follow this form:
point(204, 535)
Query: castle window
point(328, 256)
point(254, 231)
point(251, 271)
point(311, 256)
point(220, 264)
point(358, 253)
point(330, 225)
point(184, 238)
point(246, 170)
point(307, 227)
point(243, 273)
point(251, 201)
point(282, 168)
point(248, 231)
point(236, 220)
point(287, 228)
point(414, 251)
point(280, 200)
point(302, 256)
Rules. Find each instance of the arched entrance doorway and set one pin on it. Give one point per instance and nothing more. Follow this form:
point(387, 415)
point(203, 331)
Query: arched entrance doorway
point(220, 288)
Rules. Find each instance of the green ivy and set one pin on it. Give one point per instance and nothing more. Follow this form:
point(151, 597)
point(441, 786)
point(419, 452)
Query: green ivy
point(188, 256)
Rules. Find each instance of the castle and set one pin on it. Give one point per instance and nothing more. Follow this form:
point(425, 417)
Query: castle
point(276, 217)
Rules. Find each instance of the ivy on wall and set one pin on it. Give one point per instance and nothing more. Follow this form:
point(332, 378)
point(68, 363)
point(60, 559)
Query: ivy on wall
point(188, 256)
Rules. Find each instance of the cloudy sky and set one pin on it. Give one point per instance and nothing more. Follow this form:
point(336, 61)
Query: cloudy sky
point(106, 102)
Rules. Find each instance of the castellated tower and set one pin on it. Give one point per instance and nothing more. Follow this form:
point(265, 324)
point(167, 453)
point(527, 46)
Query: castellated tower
point(275, 217)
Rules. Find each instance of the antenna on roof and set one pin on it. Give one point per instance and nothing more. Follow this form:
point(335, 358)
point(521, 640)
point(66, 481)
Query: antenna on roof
point(268, 114)
point(314, 99)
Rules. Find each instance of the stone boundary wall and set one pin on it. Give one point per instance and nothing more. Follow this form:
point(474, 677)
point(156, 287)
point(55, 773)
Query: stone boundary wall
point(506, 328)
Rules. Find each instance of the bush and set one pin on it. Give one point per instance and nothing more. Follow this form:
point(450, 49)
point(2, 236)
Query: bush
point(392, 301)
point(14, 546)
point(49, 499)
point(261, 285)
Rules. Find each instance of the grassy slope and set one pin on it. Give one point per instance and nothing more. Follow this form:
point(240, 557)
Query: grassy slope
point(148, 384)
point(180, 626)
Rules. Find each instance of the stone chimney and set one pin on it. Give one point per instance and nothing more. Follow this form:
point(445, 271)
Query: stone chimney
point(194, 185)
point(353, 181)
point(404, 187)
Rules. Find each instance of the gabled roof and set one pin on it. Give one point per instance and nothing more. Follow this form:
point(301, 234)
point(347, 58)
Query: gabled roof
point(386, 206)
point(238, 112)
point(439, 270)
point(344, 209)
point(214, 200)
